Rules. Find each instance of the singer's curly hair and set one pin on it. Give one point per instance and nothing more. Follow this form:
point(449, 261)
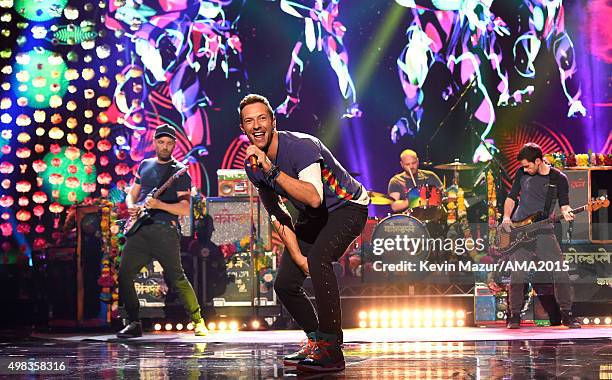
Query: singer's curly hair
point(255, 98)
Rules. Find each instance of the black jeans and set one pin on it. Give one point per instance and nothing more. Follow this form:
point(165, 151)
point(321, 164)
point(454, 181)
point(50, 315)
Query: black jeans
point(322, 239)
point(545, 248)
point(160, 242)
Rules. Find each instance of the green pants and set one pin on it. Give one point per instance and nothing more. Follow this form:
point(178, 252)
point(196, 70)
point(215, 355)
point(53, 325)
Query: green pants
point(159, 242)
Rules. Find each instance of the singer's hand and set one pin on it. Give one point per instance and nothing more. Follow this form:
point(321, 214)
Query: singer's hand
point(262, 159)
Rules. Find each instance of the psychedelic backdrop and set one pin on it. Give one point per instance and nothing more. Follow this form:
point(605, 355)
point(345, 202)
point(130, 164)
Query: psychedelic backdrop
point(84, 83)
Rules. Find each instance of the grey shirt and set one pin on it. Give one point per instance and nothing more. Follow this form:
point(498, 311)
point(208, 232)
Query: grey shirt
point(530, 191)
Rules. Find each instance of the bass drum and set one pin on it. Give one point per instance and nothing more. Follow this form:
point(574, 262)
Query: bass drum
point(399, 244)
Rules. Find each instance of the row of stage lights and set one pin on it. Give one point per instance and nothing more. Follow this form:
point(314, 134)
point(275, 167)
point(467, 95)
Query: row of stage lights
point(597, 321)
point(373, 319)
point(411, 318)
point(231, 325)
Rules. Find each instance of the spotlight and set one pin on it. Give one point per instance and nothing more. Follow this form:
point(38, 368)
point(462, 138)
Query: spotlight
point(168, 326)
point(363, 314)
point(608, 320)
point(179, 326)
point(222, 325)
point(596, 321)
point(363, 324)
point(460, 314)
point(460, 323)
point(212, 326)
point(157, 327)
point(585, 321)
point(233, 325)
point(190, 326)
point(255, 324)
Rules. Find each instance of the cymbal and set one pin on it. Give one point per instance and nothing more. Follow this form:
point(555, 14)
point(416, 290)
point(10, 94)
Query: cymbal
point(380, 198)
point(456, 166)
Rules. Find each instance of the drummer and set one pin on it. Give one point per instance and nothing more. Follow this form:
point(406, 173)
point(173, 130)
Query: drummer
point(412, 177)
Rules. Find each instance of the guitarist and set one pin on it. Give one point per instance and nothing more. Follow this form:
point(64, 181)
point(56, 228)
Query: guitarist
point(534, 189)
point(159, 238)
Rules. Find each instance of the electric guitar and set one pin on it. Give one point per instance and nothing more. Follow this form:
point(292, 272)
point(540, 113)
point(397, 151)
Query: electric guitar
point(133, 223)
point(523, 230)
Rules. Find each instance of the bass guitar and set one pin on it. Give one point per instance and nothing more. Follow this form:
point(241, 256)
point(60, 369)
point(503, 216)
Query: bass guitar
point(523, 231)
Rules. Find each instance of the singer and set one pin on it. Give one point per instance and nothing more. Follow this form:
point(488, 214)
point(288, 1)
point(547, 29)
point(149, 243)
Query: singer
point(332, 209)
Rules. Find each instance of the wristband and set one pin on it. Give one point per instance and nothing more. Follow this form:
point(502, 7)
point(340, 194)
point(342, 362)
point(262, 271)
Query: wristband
point(273, 173)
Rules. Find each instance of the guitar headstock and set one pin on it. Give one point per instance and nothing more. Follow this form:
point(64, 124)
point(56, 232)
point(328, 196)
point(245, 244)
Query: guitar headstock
point(597, 203)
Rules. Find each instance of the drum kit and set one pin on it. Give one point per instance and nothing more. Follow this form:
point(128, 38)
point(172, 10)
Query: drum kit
point(428, 208)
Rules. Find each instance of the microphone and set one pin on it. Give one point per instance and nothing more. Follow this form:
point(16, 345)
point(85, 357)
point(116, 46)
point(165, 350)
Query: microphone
point(253, 162)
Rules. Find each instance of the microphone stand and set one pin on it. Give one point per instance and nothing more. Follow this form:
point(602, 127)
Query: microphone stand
point(255, 236)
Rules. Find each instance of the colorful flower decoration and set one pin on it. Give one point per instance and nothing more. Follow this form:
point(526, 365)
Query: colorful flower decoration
point(38, 210)
point(122, 169)
point(39, 166)
point(88, 159)
point(104, 178)
point(104, 145)
point(56, 179)
point(39, 197)
point(23, 186)
point(6, 167)
point(6, 200)
point(56, 208)
point(23, 215)
point(7, 229)
point(23, 152)
point(72, 153)
point(72, 183)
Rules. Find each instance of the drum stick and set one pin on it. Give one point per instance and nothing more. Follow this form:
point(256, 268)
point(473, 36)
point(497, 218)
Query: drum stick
point(411, 176)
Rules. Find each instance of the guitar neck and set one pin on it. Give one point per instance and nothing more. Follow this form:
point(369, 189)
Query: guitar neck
point(556, 218)
point(166, 184)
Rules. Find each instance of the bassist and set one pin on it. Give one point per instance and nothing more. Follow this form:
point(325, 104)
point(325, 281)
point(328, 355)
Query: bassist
point(535, 187)
point(159, 238)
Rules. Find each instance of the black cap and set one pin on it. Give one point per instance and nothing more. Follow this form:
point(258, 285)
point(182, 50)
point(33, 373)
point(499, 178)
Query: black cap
point(165, 130)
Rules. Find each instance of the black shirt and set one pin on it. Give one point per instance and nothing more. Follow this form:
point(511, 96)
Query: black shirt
point(533, 190)
point(150, 175)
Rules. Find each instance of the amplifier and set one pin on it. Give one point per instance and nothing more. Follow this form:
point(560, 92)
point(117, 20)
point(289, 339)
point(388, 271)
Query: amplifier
point(231, 218)
point(233, 183)
point(239, 290)
point(585, 184)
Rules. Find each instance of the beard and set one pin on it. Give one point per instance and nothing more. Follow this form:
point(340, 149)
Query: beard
point(164, 156)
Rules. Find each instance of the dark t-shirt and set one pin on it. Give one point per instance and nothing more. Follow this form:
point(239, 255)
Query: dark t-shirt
point(402, 182)
point(530, 191)
point(297, 151)
point(151, 173)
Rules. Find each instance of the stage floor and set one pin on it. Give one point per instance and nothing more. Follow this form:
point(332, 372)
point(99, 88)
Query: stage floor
point(437, 353)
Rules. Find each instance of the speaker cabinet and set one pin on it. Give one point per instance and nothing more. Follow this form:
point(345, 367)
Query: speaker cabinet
point(585, 184)
point(232, 220)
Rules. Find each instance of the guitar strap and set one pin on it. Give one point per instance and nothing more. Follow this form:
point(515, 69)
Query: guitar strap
point(552, 191)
